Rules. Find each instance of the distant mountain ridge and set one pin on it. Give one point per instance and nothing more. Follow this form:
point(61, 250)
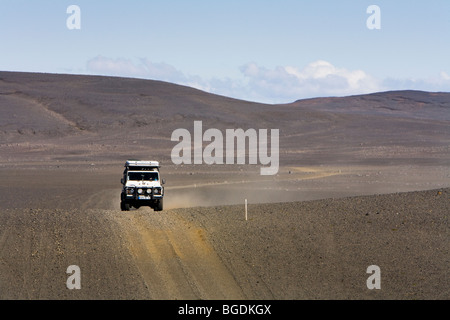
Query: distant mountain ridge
point(418, 104)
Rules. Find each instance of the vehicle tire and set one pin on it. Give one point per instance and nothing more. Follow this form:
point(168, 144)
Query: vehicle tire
point(159, 206)
point(124, 206)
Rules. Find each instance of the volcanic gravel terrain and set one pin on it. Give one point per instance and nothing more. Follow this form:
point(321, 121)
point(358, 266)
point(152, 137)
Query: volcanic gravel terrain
point(362, 181)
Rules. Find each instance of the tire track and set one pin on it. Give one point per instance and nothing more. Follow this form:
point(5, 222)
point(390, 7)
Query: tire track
point(175, 258)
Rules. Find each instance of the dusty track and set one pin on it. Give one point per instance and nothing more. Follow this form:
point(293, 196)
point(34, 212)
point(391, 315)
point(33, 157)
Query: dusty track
point(297, 250)
point(175, 258)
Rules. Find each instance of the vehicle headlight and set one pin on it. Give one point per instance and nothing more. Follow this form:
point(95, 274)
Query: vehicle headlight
point(149, 191)
point(130, 191)
point(157, 191)
point(140, 191)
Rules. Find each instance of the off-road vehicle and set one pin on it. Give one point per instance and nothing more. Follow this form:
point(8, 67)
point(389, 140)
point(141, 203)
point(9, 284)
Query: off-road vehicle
point(142, 185)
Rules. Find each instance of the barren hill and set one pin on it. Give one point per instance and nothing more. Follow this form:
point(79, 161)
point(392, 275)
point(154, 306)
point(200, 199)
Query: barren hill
point(388, 127)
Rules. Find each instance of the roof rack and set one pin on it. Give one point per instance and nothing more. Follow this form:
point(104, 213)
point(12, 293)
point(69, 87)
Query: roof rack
point(141, 165)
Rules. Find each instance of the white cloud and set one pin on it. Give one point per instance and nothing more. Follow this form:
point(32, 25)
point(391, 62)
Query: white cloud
point(281, 84)
point(439, 82)
point(319, 78)
point(120, 67)
point(444, 76)
point(127, 68)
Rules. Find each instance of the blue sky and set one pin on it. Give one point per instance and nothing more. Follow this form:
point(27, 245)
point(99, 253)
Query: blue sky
point(267, 51)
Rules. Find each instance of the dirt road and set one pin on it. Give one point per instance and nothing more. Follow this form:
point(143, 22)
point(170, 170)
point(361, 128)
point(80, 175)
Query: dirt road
point(135, 255)
point(294, 250)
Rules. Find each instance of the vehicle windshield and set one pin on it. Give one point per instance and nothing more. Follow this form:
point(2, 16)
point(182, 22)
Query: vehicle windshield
point(139, 176)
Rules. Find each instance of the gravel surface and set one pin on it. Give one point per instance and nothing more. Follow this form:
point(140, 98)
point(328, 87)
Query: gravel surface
point(321, 249)
point(298, 250)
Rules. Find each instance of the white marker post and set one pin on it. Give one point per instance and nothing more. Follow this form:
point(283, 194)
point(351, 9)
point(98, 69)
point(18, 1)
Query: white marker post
point(245, 209)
